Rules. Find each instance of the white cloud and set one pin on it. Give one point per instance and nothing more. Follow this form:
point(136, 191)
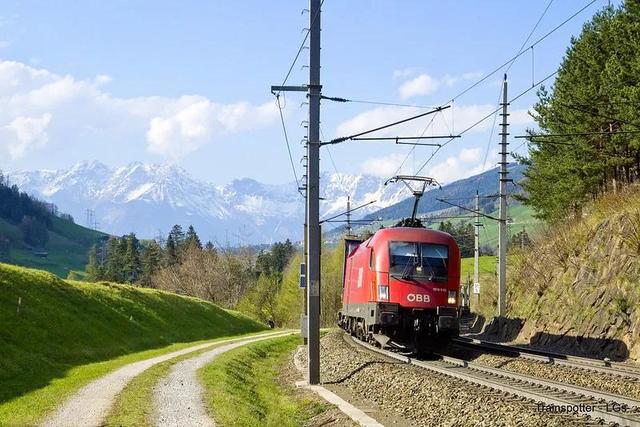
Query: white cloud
point(466, 163)
point(470, 155)
point(472, 75)
point(424, 84)
point(384, 166)
point(421, 85)
point(24, 133)
point(37, 106)
point(404, 73)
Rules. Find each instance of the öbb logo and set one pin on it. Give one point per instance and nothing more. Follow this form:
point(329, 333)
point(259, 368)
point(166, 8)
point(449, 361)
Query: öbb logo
point(418, 298)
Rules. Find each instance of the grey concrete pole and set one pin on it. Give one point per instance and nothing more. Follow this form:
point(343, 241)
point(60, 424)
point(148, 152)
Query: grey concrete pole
point(502, 230)
point(476, 250)
point(313, 194)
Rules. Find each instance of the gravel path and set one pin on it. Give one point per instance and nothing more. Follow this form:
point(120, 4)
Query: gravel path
point(90, 405)
point(178, 397)
point(425, 398)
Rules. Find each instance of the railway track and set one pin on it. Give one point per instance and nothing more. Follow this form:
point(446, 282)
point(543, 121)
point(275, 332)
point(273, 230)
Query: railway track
point(624, 370)
point(548, 395)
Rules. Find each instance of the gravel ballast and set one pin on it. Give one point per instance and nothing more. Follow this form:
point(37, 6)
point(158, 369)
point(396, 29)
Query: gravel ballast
point(423, 397)
point(565, 374)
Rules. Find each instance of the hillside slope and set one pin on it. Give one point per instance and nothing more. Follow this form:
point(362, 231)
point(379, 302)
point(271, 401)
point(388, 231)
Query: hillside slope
point(67, 249)
point(50, 326)
point(577, 287)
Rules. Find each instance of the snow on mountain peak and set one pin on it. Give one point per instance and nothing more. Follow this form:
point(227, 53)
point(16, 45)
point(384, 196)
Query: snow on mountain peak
point(147, 198)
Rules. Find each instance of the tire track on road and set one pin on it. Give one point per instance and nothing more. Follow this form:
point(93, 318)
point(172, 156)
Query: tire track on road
point(178, 397)
point(90, 405)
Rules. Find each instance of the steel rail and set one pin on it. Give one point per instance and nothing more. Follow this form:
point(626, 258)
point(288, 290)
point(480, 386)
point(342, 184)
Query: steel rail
point(582, 401)
point(597, 365)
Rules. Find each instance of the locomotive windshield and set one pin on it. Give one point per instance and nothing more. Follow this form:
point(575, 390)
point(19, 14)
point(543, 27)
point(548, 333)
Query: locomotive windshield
point(420, 261)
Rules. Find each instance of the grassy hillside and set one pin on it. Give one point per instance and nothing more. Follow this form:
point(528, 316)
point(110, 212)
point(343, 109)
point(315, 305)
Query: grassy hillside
point(67, 248)
point(578, 286)
point(51, 326)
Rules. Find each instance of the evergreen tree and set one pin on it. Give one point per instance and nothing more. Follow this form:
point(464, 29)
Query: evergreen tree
point(177, 235)
point(151, 262)
point(192, 239)
point(171, 254)
point(114, 264)
point(596, 94)
point(520, 240)
point(93, 269)
point(132, 267)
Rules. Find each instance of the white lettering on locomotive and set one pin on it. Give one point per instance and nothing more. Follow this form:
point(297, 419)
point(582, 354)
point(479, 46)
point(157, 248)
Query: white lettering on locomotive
point(418, 298)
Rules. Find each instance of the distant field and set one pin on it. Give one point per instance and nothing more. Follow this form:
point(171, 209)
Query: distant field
point(67, 249)
point(521, 218)
point(56, 335)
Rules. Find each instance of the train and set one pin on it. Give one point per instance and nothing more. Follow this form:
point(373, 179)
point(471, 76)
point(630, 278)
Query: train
point(401, 288)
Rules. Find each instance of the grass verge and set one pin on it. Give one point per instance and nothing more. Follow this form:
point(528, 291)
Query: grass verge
point(58, 335)
point(242, 387)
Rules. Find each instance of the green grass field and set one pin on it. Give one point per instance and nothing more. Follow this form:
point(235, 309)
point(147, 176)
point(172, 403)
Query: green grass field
point(242, 387)
point(68, 247)
point(57, 335)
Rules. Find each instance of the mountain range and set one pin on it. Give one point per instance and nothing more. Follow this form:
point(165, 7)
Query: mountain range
point(148, 199)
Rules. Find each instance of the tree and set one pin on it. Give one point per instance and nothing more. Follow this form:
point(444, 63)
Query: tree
point(171, 253)
point(595, 95)
point(151, 262)
point(5, 246)
point(463, 234)
point(177, 235)
point(520, 240)
point(94, 269)
point(34, 231)
point(114, 263)
point(132, 266)
point(192, 239)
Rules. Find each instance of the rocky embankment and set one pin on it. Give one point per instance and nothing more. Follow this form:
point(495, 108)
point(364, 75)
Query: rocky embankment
point(578, 287)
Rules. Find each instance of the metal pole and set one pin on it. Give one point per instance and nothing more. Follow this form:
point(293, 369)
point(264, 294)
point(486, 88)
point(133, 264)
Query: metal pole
point(305, 255)
point(348, 215)
point(476, 251)
point(313, 194)
point(502, 230)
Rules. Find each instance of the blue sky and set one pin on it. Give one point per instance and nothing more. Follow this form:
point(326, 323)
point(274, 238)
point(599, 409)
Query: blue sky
point(188, 81)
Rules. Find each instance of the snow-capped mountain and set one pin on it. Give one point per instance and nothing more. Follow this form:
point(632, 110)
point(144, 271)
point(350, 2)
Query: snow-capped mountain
point(149, 199)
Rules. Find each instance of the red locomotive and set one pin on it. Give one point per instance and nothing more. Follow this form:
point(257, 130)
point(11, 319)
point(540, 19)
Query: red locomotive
point(401, 287)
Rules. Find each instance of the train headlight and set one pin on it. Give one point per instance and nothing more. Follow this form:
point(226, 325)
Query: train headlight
point(452, 297)
point(383, 293)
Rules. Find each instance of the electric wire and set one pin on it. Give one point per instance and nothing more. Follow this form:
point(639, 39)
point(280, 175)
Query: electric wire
point(531, 33)
point(304, 41)
point(538, 41)
point(286, 139)
point(483, 119)
point(493, 128)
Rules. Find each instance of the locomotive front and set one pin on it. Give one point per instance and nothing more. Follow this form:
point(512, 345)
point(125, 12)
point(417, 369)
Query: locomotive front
point(401, 287)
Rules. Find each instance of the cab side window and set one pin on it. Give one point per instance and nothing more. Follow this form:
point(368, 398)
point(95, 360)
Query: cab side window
point(372, 260)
